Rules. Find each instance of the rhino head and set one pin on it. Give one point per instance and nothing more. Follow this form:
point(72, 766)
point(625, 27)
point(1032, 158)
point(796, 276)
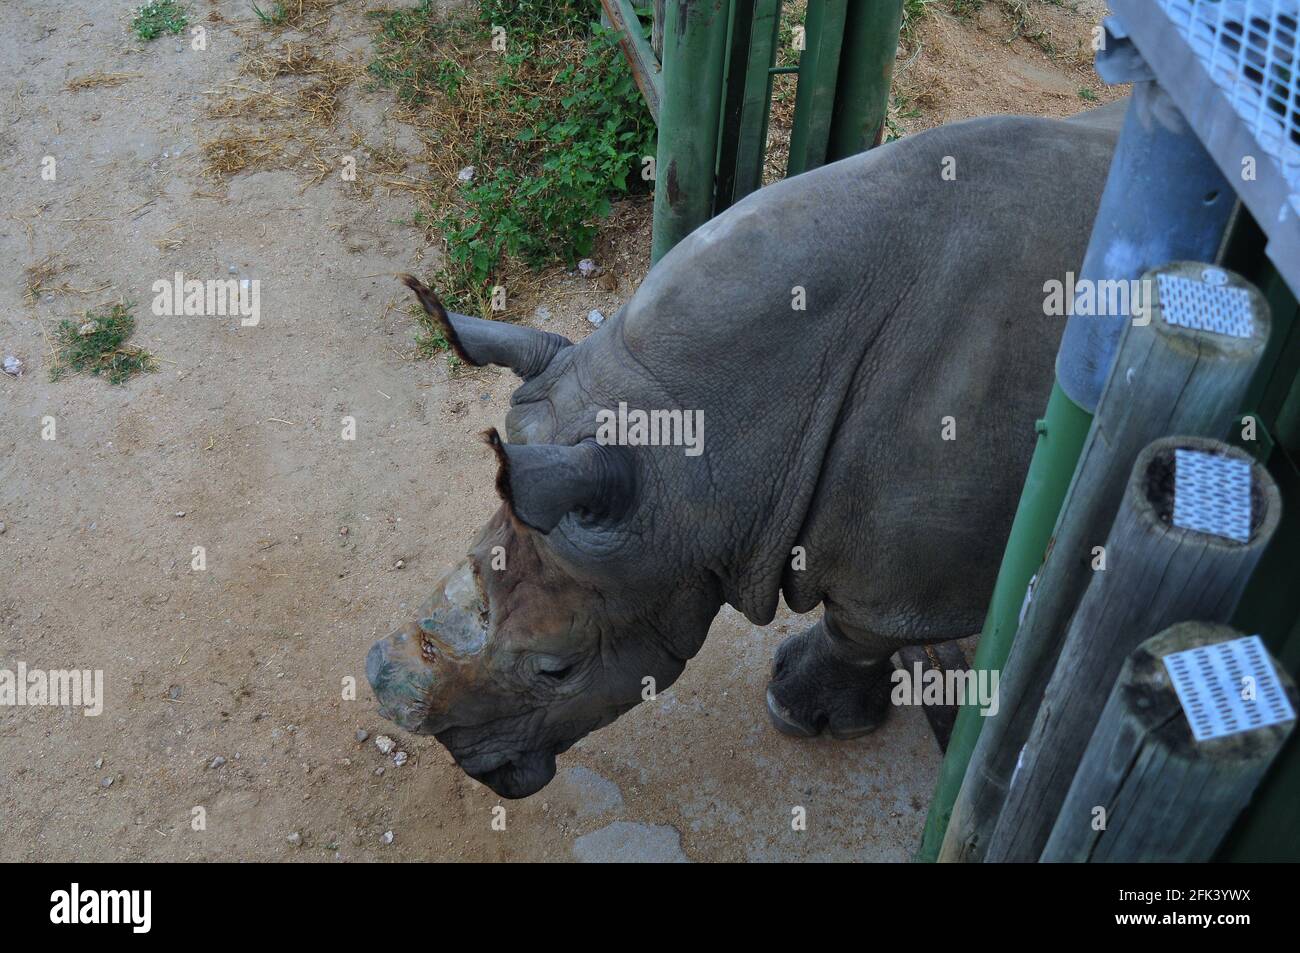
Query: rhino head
point(539, 636)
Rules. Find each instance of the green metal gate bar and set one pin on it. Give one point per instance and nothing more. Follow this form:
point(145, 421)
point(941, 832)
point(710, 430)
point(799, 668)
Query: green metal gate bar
point(862, 89)
point(743, 146)
point(695, 34)
point(714, 94)
point(814, 103)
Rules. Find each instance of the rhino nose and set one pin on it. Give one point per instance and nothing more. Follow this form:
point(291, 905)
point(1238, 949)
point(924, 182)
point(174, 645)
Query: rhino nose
point(401, 683)
point(376, 662)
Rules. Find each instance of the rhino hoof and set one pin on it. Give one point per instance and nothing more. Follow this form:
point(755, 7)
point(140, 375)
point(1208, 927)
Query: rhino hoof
point(814, 691)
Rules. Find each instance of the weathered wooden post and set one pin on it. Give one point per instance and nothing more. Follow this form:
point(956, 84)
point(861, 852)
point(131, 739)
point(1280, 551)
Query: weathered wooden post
point(1165, 200)
point(695, 46)
point(642, 60)
point(1195, 518)
point(1193, 723)
point(1181, 368)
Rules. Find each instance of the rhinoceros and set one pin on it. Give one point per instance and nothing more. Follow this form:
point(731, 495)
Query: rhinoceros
point(866, 349)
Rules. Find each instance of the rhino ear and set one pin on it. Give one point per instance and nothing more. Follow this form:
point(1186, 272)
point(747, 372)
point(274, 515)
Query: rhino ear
point(525, 351)
point(542, 482)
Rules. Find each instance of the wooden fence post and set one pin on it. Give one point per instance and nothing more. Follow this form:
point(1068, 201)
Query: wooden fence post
point(1195, 518)
point(1157, 791)
point(1176, 373)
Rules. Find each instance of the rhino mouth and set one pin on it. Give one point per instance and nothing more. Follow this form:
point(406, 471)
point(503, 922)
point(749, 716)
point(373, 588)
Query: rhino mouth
point(514, 776)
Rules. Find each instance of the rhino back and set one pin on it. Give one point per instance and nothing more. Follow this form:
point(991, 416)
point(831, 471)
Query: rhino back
point(822, 426)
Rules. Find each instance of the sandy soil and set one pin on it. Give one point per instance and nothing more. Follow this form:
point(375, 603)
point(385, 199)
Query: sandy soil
point(234, 445)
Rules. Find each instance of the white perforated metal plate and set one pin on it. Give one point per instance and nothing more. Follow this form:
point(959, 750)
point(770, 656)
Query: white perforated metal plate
point(1249, 49)
point(1203, 306)
point(1228, 688)
point(1212, 494)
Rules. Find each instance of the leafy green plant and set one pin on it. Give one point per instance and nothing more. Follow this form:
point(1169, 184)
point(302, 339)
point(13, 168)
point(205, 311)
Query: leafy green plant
point(98, 345)
point(157, 17)
point(579, 131)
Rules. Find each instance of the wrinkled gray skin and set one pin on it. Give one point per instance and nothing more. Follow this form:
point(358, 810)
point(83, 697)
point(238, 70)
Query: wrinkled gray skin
point(822, 431)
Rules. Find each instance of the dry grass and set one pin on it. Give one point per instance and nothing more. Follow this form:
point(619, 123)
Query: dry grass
point(291, 59)
point(259, 104)
point(233, 153)
point(296, 13)
point(37, 276)
point(98, 80)
point(295, 90)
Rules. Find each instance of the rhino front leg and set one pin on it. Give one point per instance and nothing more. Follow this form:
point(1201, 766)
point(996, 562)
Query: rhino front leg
point(823, 681)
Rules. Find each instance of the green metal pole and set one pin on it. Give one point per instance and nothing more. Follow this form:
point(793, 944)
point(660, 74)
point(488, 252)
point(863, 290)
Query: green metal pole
point(695, 48)
point(814, 100)
point(754, 31)
point(1061, 435)
point(866, 69)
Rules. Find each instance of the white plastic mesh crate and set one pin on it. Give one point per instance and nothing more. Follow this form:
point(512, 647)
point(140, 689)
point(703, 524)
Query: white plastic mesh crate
point(1248, 47)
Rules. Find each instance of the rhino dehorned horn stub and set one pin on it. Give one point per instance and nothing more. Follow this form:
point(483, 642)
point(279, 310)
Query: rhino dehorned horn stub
point(526, 351)
point(540, 483)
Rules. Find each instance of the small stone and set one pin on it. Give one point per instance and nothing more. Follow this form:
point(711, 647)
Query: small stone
point(387, 837)
point(466, 174)
point(595, 317)
point(586, 267)
point(233, 270)
point(106, 783)
point(385, 744)
point(399, 759)
point(343, 531)
point(13, 366)
point(217, 762)
point(379, 772)
point(2, 529)
point(99, 763)
point(294, 839)
point(362, 735)
point(174, 692)
point(179, 514)
point(399, 564)
point(542, 313)
point(90, 327)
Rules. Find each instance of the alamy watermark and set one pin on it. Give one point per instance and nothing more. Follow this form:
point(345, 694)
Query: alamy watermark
point(930, 686)
point(1104, 298)
point(53, 688)
point(651, 428)
point(73, 906)
point(213, 297)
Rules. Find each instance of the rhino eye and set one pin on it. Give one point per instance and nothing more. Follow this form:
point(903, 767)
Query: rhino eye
point(556, 674)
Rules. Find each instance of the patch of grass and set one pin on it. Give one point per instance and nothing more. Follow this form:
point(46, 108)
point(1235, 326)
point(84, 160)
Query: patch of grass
point(284, 13)
point(1088, 95)
point(98, 345)
point(36, 277)
point(275, 16)
point(98, 80)
point(914, 11)
point(431, 341)
point(153, 19)
point(553, 126)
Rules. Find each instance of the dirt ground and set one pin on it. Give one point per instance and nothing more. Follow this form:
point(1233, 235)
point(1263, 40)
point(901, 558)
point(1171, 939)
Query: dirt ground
point(224, 687)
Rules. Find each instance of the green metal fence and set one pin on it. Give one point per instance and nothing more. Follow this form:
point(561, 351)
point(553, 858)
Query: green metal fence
point(709, 87)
